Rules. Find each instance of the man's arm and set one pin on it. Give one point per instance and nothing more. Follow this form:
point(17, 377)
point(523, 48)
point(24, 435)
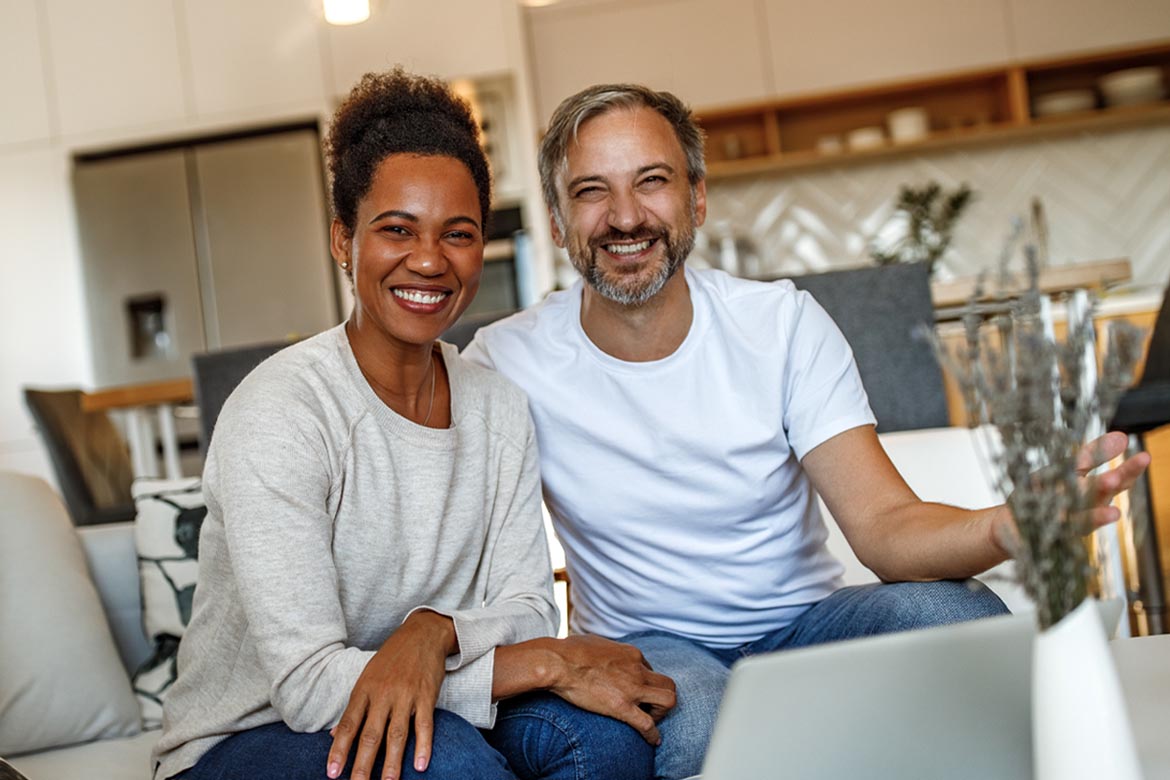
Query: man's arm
point(900, 537)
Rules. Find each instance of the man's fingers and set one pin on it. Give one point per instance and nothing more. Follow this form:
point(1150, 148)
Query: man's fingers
point(424, 729)
point(343, 735)
point(396, 734)
point(1100, 450)
point(641, 722)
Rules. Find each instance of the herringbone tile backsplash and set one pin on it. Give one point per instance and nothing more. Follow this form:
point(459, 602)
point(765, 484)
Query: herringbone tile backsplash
point(1106, 195)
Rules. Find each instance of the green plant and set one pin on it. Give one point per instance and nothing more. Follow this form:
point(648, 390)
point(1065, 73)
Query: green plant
point(930, 216)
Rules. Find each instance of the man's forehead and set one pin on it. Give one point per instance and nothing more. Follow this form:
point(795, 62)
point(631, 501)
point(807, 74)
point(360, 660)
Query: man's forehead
point(630, 135)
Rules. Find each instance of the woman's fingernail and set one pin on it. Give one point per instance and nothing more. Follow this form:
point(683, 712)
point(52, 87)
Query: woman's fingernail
point(334, 769)
point(420, 763)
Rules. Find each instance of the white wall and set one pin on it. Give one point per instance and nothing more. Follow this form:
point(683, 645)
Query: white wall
point(81, 76)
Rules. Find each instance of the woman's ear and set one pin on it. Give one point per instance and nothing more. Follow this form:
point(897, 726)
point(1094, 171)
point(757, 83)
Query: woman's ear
point(341, 245)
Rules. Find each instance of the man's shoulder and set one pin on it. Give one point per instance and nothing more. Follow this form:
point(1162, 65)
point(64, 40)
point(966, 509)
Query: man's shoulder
point(750, 306)
point(534, 330)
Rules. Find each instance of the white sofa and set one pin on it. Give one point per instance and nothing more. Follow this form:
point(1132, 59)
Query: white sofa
point(33, 516)
point(946, 464)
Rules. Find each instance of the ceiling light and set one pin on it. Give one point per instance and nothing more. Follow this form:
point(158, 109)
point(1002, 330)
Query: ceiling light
point(346, 11)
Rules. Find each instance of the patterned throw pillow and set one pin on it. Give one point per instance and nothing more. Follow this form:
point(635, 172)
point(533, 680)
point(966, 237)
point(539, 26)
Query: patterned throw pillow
point(170, 515)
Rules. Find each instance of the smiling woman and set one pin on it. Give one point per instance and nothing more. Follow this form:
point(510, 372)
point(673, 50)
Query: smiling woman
point(374, 583)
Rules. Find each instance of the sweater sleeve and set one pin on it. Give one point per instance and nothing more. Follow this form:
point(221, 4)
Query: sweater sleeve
point(518, 604)
point(270, 484)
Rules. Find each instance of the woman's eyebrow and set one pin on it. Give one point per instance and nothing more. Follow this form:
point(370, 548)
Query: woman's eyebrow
point(395, 213)
point(461, 219)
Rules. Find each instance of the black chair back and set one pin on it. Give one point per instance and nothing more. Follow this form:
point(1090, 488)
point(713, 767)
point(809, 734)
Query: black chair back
point(879, 310)
point(216, 374)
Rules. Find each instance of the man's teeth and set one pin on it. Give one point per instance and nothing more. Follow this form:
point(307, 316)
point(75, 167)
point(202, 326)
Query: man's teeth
point(627, 249)
point(415, 296)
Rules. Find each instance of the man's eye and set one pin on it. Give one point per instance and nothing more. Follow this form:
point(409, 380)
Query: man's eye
point(653, 181)
point(587, 192)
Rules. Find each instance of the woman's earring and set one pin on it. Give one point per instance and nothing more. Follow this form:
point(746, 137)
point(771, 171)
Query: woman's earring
point(345, 266)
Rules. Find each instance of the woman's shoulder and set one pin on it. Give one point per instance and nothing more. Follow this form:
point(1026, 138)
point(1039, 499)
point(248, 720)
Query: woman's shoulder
point(489, 394)
point(303, 380)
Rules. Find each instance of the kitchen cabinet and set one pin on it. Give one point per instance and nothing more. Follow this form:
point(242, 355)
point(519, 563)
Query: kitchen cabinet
point(22, 74)
point(964, 108)
point(267, 265)
point(1048, 28)
point(252, 55)
point(199, 247)
point(114, 65)
point(138, 245)
point(448, 38)
point(835, 44)
point(710, 54)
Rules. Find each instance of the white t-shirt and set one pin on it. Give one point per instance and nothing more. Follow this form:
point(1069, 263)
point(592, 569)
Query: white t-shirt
point(675, 485)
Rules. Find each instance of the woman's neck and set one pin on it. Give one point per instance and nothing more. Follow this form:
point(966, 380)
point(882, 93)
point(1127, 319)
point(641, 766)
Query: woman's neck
point(408, 378)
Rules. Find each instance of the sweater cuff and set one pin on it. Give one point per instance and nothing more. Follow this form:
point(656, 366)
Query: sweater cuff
point(473, 642)
point(468, 692)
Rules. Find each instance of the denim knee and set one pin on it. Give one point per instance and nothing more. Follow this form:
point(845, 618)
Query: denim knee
point(700, 677)
point(543, 736)
point(926, 604)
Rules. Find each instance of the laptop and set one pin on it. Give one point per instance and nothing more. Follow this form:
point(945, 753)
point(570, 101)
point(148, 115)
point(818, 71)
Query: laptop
point(942, 703)
point(946, 703)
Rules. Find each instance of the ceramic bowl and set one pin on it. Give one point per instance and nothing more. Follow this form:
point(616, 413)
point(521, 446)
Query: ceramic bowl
point(1066, 101)
point(1132, 86)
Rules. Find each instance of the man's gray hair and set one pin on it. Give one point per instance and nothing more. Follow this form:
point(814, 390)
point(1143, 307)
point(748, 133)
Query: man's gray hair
point(600, 99)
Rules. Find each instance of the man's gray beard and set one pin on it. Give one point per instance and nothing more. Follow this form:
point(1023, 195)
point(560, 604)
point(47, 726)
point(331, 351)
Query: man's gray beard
point(611, 288)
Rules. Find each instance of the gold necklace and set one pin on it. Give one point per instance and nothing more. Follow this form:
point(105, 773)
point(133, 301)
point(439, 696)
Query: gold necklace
point(431, 404)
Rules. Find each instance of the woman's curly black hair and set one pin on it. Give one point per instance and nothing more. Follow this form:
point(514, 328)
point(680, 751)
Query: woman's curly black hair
point(399, 113)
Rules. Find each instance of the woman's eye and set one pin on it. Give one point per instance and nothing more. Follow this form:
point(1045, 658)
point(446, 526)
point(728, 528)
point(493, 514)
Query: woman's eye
point(397, 230)
point(461, 236)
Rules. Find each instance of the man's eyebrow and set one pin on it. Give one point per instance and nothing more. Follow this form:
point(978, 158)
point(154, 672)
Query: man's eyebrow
point(582, 179)
point(654, 166)
point(395, 213)
point(593, 177)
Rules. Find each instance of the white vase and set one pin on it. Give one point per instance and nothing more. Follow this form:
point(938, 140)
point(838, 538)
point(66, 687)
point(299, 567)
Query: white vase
point(1080, 727)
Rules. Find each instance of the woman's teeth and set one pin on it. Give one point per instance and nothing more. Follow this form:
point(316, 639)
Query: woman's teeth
point(414, 296)
point(628, 249)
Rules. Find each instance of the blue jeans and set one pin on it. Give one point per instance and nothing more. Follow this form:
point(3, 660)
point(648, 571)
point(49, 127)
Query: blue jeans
point(535, 736)
point(700, 673)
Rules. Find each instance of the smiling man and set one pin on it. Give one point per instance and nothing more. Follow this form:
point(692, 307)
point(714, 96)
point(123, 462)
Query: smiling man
point(686, 421)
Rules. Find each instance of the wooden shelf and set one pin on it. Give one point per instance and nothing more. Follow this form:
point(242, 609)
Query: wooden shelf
point(964, 109)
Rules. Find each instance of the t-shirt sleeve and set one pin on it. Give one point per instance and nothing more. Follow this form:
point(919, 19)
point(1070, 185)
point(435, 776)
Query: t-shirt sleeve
point(823, 394)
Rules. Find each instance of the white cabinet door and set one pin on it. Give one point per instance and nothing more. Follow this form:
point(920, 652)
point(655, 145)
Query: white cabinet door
point(447, 38)
point(139, 250)
point(114, 65)
point(266, 267)
point(22, 74)
point(253, 55)
point(709, 53)
point(833, 44)
point(1046, 28)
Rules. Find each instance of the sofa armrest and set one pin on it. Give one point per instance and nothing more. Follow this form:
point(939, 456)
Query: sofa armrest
point(113, 565)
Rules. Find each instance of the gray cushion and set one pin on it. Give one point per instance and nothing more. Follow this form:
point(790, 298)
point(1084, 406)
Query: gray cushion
point(62, 681)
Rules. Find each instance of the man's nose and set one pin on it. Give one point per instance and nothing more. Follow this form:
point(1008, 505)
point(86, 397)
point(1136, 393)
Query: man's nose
point(625, 212)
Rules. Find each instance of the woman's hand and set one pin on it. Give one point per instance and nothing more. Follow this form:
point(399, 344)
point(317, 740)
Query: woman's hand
point(401, 681)
point(599, 675)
